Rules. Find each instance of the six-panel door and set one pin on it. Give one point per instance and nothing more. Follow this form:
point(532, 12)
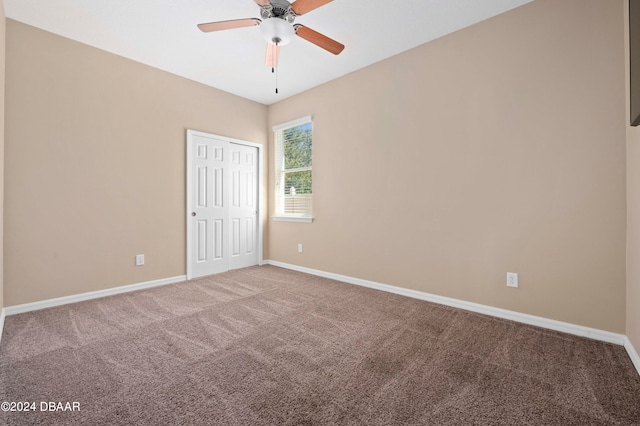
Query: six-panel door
point(223, 205)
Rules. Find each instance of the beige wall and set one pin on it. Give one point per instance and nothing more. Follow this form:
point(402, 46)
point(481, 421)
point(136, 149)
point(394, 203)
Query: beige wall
point(633, 214)
point(2, 72)
point(95, 173)
point(498, 148)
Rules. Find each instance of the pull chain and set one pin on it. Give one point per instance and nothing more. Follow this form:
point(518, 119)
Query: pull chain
point(275, 65)
point(273, 59)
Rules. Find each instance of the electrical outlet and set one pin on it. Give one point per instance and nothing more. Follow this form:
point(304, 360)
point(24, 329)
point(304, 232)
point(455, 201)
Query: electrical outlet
point(139, 259)
point(299, 248)
point(512, 279)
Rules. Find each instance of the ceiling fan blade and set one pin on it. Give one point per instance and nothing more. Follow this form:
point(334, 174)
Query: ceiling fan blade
point(228, 25)
point(300, 7)
point(263, 2)
point(318, 39)
point(273, 52)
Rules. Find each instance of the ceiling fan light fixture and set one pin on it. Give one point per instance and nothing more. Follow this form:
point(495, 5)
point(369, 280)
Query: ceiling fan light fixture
point(277, 31)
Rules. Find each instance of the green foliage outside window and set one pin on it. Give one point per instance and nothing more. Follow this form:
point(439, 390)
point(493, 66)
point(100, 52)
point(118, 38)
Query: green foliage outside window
point(297, 154)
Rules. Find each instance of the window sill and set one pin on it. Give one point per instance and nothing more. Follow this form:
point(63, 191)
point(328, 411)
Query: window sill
point(301, 219)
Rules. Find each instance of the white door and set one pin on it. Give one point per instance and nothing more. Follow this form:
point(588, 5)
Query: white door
point(209, 206)
point(222, 200)
point(243, 207)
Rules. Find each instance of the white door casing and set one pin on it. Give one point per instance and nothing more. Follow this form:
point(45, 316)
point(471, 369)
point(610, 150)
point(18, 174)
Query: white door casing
point(223, 227)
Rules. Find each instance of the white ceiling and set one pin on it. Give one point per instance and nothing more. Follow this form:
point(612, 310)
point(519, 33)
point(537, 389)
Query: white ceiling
point(163, 34)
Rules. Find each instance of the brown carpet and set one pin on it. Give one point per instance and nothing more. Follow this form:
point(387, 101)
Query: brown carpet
point(269, 346)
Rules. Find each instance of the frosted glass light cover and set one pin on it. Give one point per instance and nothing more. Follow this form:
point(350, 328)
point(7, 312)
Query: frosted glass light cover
point(277, 28)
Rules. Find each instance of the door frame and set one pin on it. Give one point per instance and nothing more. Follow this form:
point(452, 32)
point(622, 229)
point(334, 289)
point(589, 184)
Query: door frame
point(259, 193)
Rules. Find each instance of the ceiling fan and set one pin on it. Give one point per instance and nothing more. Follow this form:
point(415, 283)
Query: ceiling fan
point(277, 26)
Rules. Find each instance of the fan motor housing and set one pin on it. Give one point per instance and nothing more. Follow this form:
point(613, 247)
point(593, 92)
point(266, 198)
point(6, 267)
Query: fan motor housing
point(279, 9)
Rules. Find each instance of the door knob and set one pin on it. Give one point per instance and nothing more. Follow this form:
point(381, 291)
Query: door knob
point(193, 213)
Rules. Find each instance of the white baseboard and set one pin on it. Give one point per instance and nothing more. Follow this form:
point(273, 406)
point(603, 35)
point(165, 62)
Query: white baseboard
point(49, 303)
point(2, 315)
point(633, 354)
point(578, 330)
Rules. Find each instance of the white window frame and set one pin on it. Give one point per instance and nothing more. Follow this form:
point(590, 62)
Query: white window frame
point(281, 216)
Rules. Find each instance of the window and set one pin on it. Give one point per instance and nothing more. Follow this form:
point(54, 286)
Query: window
point(293, 158)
